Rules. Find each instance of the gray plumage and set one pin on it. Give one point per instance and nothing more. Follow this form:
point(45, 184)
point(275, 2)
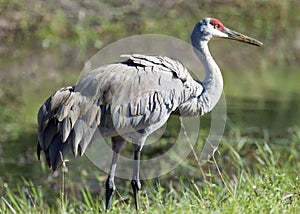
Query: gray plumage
point(129, 100)
point(115, 98)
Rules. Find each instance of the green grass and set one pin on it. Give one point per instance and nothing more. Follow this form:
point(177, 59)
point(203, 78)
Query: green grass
point(258, 178)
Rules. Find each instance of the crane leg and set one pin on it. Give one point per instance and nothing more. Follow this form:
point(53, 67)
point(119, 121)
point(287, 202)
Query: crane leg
point(117, 145)
point(135, 182)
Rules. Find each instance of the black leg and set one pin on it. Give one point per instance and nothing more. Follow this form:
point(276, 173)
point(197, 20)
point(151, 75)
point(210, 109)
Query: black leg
point(136, 186)
point(135, 182)
point(117, 145)
point(110, 189)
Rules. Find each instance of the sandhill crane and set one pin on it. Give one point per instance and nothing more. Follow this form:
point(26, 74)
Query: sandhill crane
point(130, 100)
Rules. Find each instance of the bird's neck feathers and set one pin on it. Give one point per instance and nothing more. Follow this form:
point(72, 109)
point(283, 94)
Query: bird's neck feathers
point(213, 82)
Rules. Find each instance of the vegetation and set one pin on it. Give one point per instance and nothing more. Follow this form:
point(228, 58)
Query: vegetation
point(45, 48)
point(259, 178)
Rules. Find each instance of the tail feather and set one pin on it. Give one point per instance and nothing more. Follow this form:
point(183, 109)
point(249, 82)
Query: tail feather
point(78, 135)
point(48, 135)
point(53, 152)
point(66, 119)
point(57, 152)
point(66, 129)
point(60, 97)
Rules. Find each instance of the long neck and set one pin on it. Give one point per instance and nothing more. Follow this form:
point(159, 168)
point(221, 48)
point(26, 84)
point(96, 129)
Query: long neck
point(213, 82)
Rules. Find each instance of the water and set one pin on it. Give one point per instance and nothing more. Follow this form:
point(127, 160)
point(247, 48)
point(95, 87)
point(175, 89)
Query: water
point(276, 115)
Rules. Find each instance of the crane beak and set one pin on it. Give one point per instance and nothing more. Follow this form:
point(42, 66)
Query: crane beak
point(241, 38)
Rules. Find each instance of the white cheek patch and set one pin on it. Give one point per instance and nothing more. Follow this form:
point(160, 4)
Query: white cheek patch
point(217, 33)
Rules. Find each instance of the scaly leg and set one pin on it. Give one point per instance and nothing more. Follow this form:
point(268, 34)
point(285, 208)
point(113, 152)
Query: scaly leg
point(139, 140)
point(117, 145)
point(135, 182)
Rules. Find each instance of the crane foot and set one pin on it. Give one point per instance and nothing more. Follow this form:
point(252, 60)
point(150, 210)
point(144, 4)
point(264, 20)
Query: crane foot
point(136, 186)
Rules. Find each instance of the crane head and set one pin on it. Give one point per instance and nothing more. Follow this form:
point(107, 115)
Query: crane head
point(209, 28)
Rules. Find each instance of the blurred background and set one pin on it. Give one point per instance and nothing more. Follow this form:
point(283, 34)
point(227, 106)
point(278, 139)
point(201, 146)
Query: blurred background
point(44, 46)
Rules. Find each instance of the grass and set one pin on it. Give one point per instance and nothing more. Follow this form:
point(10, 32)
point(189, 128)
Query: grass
point(269, 184)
